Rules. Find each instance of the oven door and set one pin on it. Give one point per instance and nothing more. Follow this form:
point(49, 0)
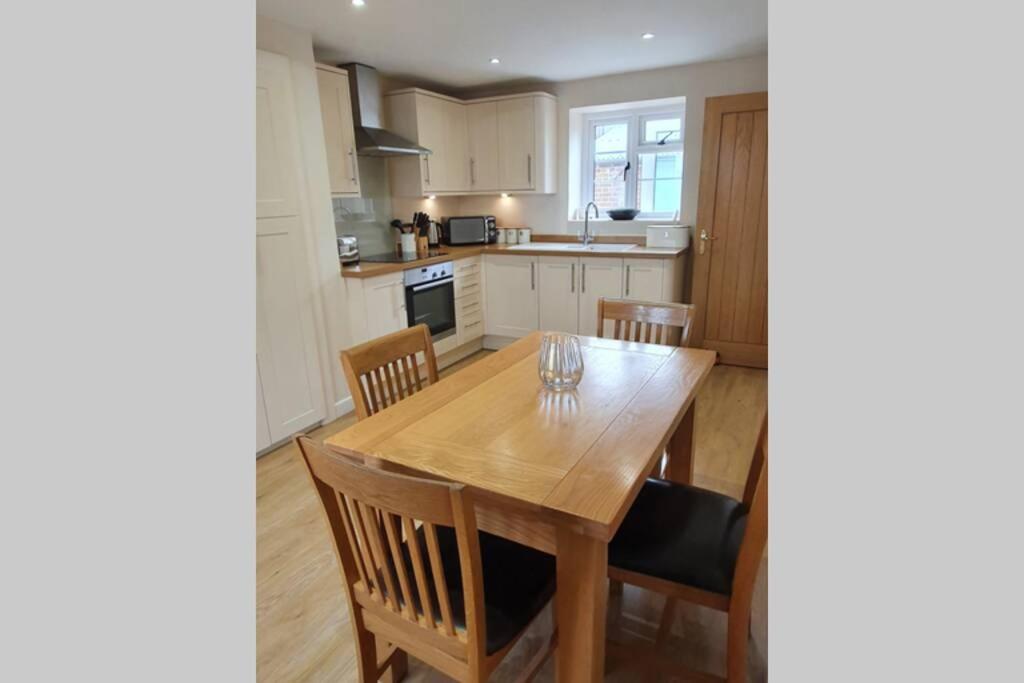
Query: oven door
point(432, 304)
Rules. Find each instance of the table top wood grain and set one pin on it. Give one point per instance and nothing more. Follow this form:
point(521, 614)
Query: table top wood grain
point(577, 457)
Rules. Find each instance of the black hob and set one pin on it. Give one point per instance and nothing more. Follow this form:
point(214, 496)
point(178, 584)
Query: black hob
point(392, 257)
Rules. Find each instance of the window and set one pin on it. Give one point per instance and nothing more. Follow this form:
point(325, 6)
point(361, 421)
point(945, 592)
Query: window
point(634, 159)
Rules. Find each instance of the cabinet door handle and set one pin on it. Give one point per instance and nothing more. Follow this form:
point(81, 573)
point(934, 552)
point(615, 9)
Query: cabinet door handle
point(572, 279)
point(627, 280)
point(532, 280)
point(352, 160)
point(472, 171)
point(529, 169)
point(426, 160)
point(583, 279)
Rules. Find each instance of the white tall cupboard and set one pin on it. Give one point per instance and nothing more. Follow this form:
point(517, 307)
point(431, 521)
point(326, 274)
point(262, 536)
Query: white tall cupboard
point(289, 392)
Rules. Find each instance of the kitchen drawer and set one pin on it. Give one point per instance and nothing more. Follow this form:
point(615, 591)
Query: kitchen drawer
point(467, 285)
point(470, 331)
point(467, 266)
point(470, 310)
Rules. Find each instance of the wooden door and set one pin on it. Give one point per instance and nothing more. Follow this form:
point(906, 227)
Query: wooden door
point(431, 128)
point(558, 288)
point(644, 279)
point(515, 143)
point(482, 119)
point(339, 132)
point(511, 306)
point(599, 277)
point(457, 150)
point(730, 279)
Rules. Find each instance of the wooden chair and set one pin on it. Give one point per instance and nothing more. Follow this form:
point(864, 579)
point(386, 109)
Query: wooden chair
point(700, 546)
point(383, 371)
point(413, 564)
point(670, 323)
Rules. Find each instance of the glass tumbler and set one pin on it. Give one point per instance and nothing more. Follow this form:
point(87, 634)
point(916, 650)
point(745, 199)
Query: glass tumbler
point(560, 362)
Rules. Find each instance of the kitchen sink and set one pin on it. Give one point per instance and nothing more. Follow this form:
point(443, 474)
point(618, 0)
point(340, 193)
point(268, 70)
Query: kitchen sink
point(548, 246)
point(599, 247)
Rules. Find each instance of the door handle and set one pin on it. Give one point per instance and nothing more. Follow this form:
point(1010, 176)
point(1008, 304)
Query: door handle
point(705, 237)
point(532, 285)
point(572, 279)
point(627, 280)
point(583, 279)
point(529, 169)
point(352, 159)
point(426, 160)
point(472, 171)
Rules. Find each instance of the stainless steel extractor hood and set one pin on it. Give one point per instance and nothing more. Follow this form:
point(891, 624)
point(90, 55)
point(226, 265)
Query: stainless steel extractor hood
point(371, 139)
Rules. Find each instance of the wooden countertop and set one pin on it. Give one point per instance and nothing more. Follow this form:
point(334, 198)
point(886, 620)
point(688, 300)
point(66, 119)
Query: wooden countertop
point(364, 270)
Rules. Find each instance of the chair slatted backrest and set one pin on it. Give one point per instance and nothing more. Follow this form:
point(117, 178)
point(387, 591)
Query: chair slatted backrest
point(755, 498)
point(646, 321)
point(383, 371)
point(373, 515)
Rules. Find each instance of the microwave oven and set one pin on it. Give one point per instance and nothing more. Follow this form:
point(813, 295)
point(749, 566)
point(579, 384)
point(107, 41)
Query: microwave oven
point(470, 230)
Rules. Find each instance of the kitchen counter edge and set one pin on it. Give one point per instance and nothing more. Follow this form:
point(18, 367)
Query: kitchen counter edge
point(454, 253)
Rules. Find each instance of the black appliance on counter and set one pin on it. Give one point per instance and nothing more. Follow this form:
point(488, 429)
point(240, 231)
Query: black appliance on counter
point(470, 230)
point(430, 298)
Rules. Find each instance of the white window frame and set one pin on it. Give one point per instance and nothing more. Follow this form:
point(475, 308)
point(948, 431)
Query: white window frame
point(634, 118)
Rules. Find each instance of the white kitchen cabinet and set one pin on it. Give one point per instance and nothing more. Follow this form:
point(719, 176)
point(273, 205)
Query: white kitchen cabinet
point(558, 287)
point(599, 277)
point(288, 372)
point(456, 147)
point(263, 439)
point(385, 305)
point(481, 146)
point(482, 120)
point(339, 130)
point(424, 118)
point(276, 152)
point(511, 308)
point(516, 143)
point(285, 341)
point(526, 143)
point(469, 300)
point(644, 279)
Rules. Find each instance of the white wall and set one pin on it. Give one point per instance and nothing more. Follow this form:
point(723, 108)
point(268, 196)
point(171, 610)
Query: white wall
point(329, 300)
point(696, 82)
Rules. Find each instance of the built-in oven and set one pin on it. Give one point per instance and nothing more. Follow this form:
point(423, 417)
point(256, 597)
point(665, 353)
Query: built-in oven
point(430, 298)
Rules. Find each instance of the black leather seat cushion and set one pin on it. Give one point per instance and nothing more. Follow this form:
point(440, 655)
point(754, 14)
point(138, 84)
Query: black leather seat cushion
point(518, 583)
point(681, 533)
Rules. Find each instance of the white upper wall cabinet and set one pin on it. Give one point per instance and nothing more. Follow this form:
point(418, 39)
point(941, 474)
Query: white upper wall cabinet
point(483, 146)
point(496, 144)
point(339, 130)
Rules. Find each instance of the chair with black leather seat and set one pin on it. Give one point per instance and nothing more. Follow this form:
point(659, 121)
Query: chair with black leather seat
point(419, 574)
point(697, 545)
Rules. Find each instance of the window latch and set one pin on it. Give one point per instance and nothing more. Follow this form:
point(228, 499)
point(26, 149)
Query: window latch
point(626, 170)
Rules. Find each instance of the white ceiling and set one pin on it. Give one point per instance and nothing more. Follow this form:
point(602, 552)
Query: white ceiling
point(449, 42)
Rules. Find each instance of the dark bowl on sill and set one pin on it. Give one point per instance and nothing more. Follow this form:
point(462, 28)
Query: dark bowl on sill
point(623, 214)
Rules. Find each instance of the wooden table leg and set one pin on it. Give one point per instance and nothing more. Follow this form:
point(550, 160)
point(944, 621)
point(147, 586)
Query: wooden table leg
point(680, 449)
point(581, 601)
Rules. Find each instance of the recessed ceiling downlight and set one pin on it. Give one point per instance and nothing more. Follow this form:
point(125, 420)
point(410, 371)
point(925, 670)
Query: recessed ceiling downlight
point(647, 36)
point(358, 3)
point(495, 60)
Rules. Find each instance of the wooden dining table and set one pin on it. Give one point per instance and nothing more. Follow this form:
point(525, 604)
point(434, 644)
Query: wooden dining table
point(556, 471)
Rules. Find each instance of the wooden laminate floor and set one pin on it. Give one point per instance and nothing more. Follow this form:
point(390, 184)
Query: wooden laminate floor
point(302, 623)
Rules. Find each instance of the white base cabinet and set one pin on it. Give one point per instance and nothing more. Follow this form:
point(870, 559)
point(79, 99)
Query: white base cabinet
point(376, 306)
point(511, 295)
point(560, 293)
